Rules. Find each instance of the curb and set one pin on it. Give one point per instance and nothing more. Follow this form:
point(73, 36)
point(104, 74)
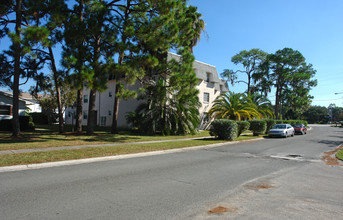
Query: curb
point(116, 157)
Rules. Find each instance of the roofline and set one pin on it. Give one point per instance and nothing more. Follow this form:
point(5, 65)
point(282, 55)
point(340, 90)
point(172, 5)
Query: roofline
point(195, 60)
point(8, 94)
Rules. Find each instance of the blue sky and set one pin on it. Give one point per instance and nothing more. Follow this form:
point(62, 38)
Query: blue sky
point(313, 27)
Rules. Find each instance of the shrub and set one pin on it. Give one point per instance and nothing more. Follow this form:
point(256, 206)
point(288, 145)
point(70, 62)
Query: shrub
point(242, 126)
point(258, 127)
point(39, 118)
point(270, 124)
point(6, 125)
point(224, 129)
point(25, 123)
point(291, 122)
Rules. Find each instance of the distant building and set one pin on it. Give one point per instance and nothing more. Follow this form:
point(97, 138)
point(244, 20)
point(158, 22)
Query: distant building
point(210, 86)
point(6, 105)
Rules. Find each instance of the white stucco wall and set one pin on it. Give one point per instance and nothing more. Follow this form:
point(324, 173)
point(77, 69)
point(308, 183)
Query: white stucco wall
point(104, 104)
point(8, 101)
point(212, 85)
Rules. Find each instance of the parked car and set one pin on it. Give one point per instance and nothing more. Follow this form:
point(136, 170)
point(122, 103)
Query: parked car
point(300, 129)
point(281, 130)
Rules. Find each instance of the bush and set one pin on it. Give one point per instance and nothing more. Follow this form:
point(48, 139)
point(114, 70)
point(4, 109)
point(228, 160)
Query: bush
point(224, 129)
point(6, 125)
point(39, 118)
point(291, 122)
point(242, 126)
point(270, 124)
point(25, 123)
point(258, 127)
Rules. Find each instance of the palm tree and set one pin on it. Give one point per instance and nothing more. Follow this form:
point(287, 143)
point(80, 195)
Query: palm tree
point(262, 104)
point(198, 26)
point(233, 106)
point(167, 112)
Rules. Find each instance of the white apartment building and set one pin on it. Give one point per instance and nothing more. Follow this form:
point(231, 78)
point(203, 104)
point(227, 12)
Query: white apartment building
point(210, 86)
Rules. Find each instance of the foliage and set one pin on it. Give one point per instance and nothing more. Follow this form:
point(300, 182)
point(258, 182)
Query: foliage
point(242, 126)
point(292, 122)
point(316, 114)
point(26, 124)
point(233, 106)
point(251, 61)
point(261, 103)
point(339, 154)
point(292, 78)
point(270, 124)
point(258, 127)
point(224, 129)
point(336, 112)
point(171, 102)
point(39, 118)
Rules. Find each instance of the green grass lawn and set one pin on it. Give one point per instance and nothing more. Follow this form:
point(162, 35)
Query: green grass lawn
point(47, 138)
point(339, 154)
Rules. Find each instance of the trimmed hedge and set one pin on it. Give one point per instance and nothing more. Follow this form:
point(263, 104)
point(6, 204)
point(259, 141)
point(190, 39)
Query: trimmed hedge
point(242, 126)
point(39, 118)
point(270, 124)
point(224, 129)
point(25, 123)
point(258, 127)
point(291, 122)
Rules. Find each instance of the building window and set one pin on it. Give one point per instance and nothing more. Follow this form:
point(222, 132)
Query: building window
point(109, 112)
point(206, 97)
point(85, 99)
point(208, 77)
point(5, 110)
point(109, 94)
point(103, 121)
point(85, 114)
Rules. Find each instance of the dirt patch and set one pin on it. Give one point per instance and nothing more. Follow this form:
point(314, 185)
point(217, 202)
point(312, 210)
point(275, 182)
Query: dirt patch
point(330, 157)
point(260, 186)
point(222, 209)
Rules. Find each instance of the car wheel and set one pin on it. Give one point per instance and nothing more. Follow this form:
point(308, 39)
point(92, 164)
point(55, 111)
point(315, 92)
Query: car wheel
point(293, 134)
point(286, 135)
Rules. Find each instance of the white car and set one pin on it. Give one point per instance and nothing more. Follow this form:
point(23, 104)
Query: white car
point(281, 130)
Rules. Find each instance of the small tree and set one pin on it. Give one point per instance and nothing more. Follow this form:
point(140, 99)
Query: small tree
point(251, 61)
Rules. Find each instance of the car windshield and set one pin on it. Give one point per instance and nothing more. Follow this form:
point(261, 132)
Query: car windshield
point(279, 126)
point(297, 126)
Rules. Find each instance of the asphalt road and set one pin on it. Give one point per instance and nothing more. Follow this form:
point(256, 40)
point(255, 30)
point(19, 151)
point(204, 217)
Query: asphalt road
point(268, 179)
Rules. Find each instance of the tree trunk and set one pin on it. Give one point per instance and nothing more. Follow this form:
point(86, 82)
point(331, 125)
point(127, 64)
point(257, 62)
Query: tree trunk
point(91, 113)
point(17, 55)
point(92, 95)
point(58, 91)
point(78, 124)
point(277, 100)
point(114, 129)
